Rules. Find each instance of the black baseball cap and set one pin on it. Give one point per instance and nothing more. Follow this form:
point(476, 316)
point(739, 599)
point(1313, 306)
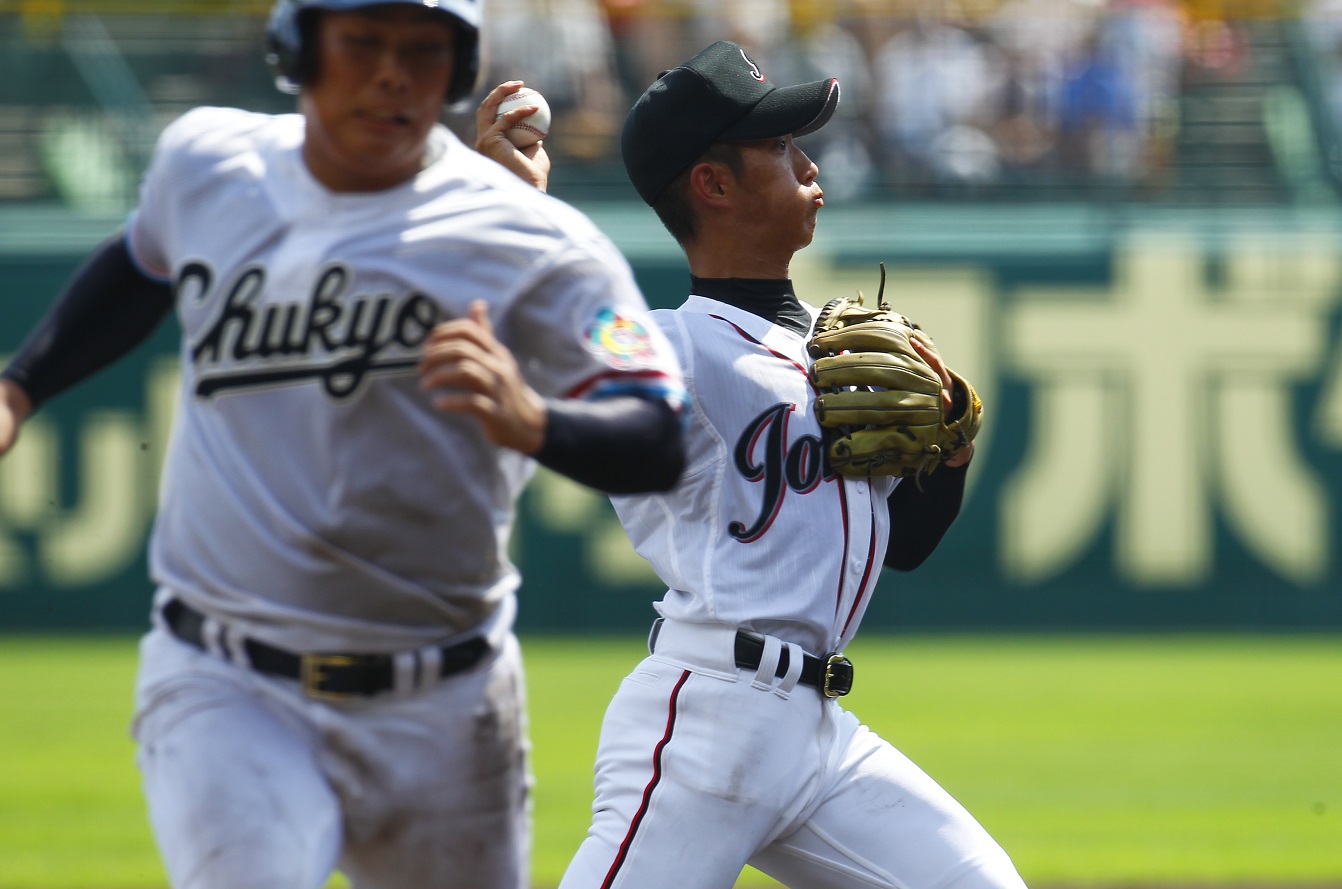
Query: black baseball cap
point(719, 95)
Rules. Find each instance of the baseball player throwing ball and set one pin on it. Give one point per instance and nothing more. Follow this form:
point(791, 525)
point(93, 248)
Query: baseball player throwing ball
point(382, 331)
point(729, 744)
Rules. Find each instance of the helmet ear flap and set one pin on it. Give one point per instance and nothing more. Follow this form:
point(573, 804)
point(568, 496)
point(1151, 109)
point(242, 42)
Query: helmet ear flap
point(467, 71)
point(286, 35)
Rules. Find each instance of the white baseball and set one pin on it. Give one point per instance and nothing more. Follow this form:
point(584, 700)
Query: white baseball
point(529, 130)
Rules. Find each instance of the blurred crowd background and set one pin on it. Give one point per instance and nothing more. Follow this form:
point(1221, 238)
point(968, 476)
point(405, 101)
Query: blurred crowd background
point(1154, 101)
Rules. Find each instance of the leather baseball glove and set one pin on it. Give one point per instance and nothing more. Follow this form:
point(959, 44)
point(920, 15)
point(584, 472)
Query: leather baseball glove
point(879, 401)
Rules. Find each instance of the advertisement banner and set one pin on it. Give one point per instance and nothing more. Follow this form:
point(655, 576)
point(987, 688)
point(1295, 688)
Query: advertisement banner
point(1162, 446)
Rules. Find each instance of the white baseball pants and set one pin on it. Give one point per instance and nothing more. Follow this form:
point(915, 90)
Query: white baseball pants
point(703, 768)
point(252, 785)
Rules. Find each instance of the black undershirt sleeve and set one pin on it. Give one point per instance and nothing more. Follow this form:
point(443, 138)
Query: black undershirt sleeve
point(628, 444)
point(920, 518)
point(108, 308)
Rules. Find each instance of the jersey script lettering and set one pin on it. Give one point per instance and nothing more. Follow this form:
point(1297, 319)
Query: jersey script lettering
point(780, 467)
point(352, 330)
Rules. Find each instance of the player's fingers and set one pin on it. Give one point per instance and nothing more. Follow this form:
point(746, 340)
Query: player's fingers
point(466, 375)
point(962, 456)
point(495, 97)
point(458, 336)
point(480, 315)
point(463, 403)
point(483, 401)
point(482, 367)
point(9, 429)
point(933, 359)
point(494, 142)
point(485, 112)
point(15, 407)
point(511, 118)
point(530, 164)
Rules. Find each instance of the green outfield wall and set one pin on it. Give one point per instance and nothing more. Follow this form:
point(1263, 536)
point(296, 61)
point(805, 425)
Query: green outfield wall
point(1162, 445)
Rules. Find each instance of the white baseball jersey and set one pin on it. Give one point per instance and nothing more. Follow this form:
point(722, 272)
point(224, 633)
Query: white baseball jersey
point(750, 765)
point(382, 527)
point(755, 480)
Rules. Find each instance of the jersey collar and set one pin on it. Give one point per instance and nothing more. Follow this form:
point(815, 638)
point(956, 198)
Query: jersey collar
point(772, 299)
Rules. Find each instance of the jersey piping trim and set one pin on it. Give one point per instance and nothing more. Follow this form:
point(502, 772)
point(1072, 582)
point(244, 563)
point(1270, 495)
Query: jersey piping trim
point(843, 559)
point(772, 351)
point(586, 386)
point(652, 784)
point(866, 575)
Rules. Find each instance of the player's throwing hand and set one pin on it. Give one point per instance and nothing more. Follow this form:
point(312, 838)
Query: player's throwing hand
point(531, 163)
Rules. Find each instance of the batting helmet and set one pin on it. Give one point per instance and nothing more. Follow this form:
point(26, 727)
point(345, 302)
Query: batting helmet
point(288, 33)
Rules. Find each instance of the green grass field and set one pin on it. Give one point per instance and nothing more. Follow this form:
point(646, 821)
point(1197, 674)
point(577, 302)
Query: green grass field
point(1097, 761)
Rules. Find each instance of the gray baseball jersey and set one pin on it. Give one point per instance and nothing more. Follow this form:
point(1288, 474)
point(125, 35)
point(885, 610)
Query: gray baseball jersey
point(383, 528)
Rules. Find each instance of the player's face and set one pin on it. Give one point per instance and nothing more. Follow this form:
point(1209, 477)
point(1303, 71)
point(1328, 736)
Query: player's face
point(784, 195)
point(382, 73)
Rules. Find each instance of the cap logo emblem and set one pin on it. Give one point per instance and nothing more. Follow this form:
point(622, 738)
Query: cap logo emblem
point(754, 69)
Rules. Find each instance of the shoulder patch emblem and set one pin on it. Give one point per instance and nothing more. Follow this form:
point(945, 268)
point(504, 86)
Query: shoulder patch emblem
point(621, 341)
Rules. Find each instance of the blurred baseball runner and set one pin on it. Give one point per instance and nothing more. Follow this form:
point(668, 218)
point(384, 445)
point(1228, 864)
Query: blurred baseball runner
point(382, 331)
point(728, 745)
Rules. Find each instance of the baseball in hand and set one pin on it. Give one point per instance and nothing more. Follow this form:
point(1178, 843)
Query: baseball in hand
point(529, 130)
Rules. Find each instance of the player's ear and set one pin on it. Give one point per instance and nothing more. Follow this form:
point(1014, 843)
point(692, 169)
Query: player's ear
point(711, 183)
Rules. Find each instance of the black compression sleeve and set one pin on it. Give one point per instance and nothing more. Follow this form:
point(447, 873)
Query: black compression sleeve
point(622, 445)
point(106, 310)
point(920, 518)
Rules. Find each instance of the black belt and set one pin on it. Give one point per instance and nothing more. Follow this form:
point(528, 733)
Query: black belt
point(329, 676)
point(832, 674)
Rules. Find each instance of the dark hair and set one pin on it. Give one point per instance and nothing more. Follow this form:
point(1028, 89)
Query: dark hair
point(673, 206)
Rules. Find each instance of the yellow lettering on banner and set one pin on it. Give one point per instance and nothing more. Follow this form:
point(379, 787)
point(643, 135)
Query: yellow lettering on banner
point(1193, 379)
point(28, 475)
point(1311, 269)
point(1153, 399)
point(104, 532)
point(95, 532)
point(1065, 485)
point(1280, 512)
point(1328, 418)
point(27, 492)
point(1289, 268)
